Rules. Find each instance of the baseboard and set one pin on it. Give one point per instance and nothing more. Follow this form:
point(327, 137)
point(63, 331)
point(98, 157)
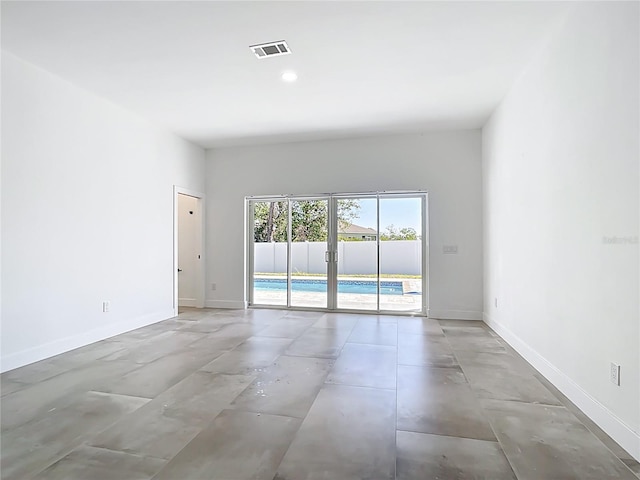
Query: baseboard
point(622, 433)
point(454, 314)
point(40, 352)
point(187, 302)
point(225, 304)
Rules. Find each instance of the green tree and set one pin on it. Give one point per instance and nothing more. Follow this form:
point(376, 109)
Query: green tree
point(308, 219)
point(392, 233)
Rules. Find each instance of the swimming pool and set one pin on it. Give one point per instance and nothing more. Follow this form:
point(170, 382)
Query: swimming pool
point(344, 286)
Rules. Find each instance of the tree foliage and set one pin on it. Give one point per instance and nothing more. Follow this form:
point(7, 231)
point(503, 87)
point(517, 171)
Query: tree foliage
point(393, 233)
point(308, 219)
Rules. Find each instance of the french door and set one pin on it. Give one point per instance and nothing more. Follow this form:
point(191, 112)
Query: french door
point(355, 252)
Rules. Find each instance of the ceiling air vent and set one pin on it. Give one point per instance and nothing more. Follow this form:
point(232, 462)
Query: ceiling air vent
point(271, 49)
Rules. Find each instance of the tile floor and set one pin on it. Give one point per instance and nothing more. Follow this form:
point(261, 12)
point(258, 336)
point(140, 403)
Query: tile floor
point(277, 395)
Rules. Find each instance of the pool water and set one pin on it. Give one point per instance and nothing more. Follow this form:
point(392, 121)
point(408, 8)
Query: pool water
point(344, 286)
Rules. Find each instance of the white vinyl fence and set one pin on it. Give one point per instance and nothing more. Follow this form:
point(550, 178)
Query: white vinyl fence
point(402, 257)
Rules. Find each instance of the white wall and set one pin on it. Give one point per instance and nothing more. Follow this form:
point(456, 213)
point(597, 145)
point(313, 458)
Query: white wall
point(188, 250)
point(446, 164)
point(87, 215)
point(560, 175)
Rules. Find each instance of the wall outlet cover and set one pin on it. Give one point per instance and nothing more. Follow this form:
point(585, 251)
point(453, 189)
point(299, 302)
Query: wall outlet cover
point(615, 374)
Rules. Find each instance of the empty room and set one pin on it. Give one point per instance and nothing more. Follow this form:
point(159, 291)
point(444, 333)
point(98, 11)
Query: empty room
point(320, 240)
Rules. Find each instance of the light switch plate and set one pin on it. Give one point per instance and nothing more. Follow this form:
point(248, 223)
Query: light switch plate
point(450, 249)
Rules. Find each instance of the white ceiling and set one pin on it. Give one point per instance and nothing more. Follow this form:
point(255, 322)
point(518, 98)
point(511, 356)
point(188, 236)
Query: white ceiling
point(363, 67)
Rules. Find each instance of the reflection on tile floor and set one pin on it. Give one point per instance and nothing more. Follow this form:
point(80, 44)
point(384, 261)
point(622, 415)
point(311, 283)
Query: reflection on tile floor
point(283, 395)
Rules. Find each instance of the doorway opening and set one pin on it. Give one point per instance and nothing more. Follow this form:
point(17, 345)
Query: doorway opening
point(340, 252)
point(188, 283)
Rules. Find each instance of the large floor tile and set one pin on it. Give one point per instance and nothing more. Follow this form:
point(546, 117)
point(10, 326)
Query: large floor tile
point(349, 434)
point(366, 366)
point(428, 350)
point(192, 313)
point(34, 446)
point(45, 369)
point(287, 327)
point(288, 387)
point(439, 401)
point(616, 449)
point(422, 456)
point(154, 378)
point(632, 465)
point(504, 360)
point(168, 423)
point(99, 464)
point(208, 325)
point(544, 441)
point(476, 343)
point(8, 386)
point(152, 349)
point(340, 321)
point(219, 394)
point(472, 331)
point(371, 331)
point(462, 323)
point(37, 400)
point(319, 342)
point(235, 446)
point(508, 383)
point(81, 356)
point(259, 316)
point(419, 326)
point(250, 357)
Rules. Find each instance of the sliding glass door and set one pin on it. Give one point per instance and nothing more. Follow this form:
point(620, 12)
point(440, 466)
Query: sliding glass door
point(309, 236)
point(360, 252)
point(357, 247)
point(400, 253)
point(269, 243)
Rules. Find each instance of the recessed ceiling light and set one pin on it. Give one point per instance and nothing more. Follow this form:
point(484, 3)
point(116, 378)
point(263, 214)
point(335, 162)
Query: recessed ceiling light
point(289, 76)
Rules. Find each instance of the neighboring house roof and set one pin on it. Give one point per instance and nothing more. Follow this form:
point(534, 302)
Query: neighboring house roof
point(353, 229)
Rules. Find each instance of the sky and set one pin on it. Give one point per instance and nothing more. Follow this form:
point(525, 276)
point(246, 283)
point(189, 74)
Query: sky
point(401, 212)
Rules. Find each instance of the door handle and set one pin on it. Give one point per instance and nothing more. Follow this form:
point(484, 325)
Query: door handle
point(331, 256)
point(179, 270)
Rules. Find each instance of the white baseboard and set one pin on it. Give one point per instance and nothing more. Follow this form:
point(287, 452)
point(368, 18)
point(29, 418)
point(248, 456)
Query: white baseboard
point(187, 302)
point(40, 352)
point(622, 433)
point(454, 314)
point(225, 304)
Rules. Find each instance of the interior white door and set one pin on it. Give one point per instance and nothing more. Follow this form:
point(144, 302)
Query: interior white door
point(187, 250)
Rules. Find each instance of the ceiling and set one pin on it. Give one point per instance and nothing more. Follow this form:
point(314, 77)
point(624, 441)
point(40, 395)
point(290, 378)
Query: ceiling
point(364, 67)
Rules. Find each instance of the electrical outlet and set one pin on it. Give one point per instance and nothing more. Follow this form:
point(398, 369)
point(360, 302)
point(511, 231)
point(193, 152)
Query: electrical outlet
point(495, 302)
point(213, 287)
point(450, 249)
point(106, 306)
point(615, 374)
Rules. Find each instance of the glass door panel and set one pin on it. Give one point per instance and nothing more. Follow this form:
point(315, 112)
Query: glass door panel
point(357, 253)
point(401, 253)
point(270, 230)
point(347, 252)
point(309, 237)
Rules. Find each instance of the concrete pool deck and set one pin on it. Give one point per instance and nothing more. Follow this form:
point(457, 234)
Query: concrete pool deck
point(352, 301)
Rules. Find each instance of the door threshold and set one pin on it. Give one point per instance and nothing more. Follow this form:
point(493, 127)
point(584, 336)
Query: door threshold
point(326, 310)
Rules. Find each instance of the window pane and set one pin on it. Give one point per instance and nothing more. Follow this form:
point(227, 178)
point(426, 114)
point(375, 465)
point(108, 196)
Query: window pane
point(271, 221)
point(401, 254)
